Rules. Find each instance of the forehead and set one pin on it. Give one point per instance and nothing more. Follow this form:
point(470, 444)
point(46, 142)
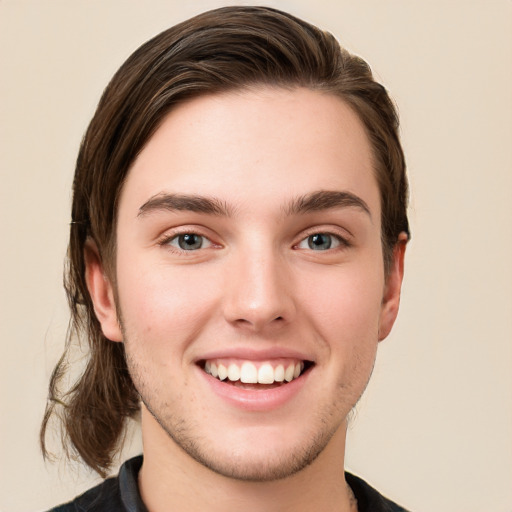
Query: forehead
point(255, 147)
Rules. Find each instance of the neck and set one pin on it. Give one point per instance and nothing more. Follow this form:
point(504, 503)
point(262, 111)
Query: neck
point(172, 480)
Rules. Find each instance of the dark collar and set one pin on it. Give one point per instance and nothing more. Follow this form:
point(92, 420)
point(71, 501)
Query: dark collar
point(368, 499)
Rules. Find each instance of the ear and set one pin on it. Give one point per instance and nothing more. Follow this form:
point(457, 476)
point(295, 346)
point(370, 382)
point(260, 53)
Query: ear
point(101, 292)
point(392, 288)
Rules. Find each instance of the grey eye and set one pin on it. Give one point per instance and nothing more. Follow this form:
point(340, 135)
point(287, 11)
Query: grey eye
point(320, 241)
point(188, 241)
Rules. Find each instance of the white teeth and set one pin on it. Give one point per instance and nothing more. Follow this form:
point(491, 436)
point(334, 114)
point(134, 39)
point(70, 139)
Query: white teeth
point(288, 373)
point(233, 372)
point(266, 374)
point(248, 373)
point(279, 373)
point(223, 372)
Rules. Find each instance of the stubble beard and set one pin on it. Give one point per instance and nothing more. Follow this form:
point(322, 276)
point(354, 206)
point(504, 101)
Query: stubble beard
point(282, 466)
point(185, 435)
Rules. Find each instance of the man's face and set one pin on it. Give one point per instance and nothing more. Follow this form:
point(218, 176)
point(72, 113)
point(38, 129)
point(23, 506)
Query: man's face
point(249, 244)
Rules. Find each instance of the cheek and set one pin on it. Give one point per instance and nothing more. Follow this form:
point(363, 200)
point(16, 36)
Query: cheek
point(163, 302)
point(345, 302)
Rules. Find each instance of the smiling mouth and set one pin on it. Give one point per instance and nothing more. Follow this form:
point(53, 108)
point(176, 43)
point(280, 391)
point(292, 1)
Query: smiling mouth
point(256, 375)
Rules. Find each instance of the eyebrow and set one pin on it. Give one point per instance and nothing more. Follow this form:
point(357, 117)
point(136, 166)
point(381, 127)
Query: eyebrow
point(326, 200)
point(312, 202)
point(183, 202)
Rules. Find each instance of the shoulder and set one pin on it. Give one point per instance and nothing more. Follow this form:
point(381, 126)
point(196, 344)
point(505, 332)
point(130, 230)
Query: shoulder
point(368, 498)
point(116, 494)
point(104, 496)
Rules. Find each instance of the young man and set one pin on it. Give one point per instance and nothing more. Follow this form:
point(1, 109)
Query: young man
point(236, 254)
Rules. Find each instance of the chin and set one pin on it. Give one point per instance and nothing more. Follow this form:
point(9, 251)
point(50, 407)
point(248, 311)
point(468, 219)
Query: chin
point(261, 468)
point(257, 455)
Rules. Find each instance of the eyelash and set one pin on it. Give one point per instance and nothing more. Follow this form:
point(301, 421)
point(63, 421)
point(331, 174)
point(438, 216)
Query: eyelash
point(340, 242)
point(167, 239)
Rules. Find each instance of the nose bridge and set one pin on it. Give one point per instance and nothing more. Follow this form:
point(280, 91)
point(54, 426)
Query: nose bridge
point(258, 293)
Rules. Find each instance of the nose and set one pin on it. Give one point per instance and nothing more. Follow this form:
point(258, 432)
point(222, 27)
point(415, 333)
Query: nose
point(258, 293)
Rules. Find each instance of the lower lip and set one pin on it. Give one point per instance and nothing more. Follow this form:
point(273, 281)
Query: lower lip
point(257, 400)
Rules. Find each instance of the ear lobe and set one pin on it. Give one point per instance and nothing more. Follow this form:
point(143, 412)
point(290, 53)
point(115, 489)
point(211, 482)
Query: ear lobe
point(102, 293)
point(392, 288)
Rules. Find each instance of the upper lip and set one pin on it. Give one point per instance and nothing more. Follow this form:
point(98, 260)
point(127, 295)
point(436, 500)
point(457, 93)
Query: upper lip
point(252, 354)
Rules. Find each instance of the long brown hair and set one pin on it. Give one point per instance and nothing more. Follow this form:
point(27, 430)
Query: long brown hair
point(224, 49)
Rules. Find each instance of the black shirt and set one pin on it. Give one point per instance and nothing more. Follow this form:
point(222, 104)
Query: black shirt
point(121, 494)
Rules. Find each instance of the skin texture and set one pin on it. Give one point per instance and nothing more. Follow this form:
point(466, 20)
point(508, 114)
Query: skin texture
point(255, 288)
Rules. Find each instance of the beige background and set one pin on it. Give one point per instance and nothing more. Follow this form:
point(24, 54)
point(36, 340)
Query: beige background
point(434, 430)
